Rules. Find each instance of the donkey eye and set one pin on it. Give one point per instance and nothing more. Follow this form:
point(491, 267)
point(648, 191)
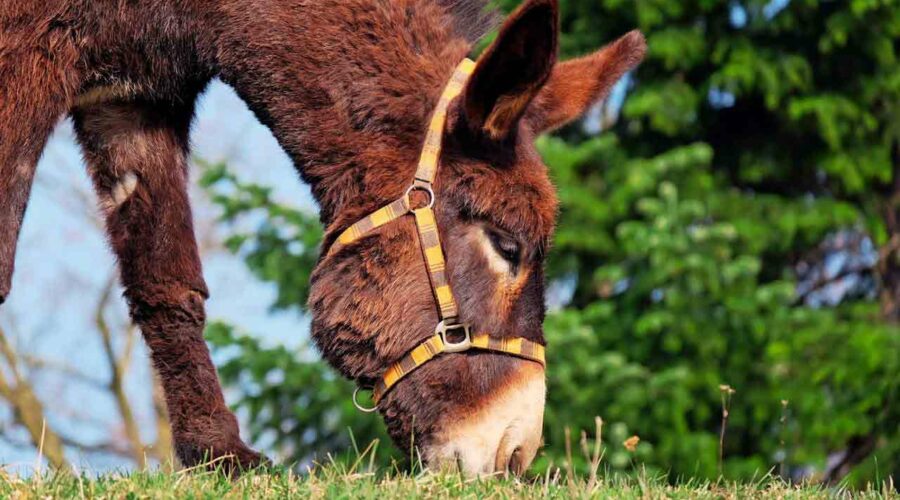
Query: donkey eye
point(507, 247)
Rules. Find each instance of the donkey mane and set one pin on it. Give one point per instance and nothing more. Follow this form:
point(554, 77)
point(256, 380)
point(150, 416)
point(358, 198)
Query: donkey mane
point(368, 84)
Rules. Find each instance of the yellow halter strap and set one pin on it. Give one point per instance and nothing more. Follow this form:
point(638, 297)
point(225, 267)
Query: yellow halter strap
point(448, 311)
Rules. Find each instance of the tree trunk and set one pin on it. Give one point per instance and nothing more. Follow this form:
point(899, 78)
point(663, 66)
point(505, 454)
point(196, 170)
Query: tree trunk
point(889, 258)
point(888, 268)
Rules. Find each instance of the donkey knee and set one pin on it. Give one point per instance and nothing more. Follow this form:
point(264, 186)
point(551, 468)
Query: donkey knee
point(172, 320)
point(166, 307)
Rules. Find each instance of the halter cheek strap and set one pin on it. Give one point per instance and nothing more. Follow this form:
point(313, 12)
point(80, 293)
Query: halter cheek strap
point(448, 328)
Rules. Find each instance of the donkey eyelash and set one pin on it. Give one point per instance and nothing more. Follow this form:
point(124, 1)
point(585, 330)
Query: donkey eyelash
point(507, 247)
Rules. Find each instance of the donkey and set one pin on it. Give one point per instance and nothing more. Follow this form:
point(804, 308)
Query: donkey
point(348, 88)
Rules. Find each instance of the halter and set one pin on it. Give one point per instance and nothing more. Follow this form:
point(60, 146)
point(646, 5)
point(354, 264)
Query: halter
point(430, 241)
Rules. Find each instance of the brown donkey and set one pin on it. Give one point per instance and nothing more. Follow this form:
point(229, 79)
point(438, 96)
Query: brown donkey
point(348, 87)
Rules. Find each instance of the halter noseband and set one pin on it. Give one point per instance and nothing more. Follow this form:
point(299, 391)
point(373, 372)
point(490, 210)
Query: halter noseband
point(434, 259)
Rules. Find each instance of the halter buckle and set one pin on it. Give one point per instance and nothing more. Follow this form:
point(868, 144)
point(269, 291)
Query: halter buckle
point(423, 186)
point(459, 346)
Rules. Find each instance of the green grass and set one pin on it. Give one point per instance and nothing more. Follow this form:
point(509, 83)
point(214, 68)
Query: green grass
point(336, 481)
point(356, 474)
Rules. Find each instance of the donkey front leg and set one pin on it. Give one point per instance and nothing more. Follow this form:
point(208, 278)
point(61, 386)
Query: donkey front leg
point(136, 154)
point(33, 95)
point(19, 152)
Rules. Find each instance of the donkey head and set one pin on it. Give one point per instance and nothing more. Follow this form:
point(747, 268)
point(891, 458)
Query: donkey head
point(495, 208)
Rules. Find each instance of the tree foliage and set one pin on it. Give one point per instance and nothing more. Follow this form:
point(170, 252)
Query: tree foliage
point(702, 243)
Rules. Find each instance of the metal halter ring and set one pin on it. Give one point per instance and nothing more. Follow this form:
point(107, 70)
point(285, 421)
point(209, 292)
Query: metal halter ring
point(463, 345)
point(424, 187)
point(358, 405)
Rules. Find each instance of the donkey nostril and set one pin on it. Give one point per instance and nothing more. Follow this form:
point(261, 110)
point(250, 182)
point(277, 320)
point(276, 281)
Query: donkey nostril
point(515, 462)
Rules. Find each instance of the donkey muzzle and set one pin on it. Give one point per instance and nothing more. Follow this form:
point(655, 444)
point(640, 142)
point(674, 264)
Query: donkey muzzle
point(501, 436)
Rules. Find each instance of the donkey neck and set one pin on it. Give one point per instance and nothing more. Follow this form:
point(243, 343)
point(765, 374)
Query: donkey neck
point(347, 89)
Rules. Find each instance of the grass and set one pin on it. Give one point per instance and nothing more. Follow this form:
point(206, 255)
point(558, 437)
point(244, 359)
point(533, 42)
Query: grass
point(337, 481)
point(356, 475)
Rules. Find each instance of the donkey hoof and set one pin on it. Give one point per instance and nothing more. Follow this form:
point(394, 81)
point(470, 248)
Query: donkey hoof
point(241, 460)
point(232, 459)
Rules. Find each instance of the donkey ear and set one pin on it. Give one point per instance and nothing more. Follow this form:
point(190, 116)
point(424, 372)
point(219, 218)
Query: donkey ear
point(512, 70)
point(576, 84)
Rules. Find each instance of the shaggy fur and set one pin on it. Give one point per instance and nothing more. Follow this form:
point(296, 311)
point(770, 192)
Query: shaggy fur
point(347, 87)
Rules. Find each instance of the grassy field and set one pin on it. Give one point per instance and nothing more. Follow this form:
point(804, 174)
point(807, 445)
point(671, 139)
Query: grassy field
point(338, 482)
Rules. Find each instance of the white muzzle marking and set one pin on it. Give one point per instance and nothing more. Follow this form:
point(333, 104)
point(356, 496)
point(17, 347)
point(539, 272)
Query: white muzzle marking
point(501, 436)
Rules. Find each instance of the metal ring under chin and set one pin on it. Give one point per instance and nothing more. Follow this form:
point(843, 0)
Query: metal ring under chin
point(359, 406)
point(420, 187)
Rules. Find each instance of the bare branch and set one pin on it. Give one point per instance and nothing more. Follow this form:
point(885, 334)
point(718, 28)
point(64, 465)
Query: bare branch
point(111, 447)
point(28, 409)
point(72, 373)
point(825, 281)
point(127, 351)
point(163, 448)
point(117, 381)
